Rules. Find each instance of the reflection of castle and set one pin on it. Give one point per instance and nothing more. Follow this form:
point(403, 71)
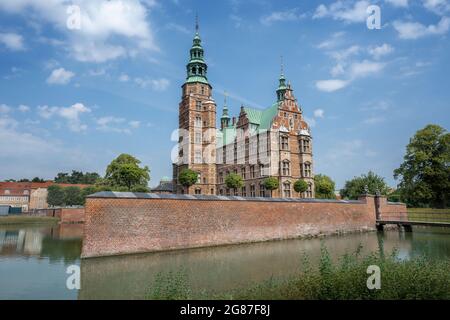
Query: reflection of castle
point(259, 143)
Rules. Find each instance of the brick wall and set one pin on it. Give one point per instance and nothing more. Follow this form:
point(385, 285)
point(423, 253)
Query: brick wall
point(122, 223)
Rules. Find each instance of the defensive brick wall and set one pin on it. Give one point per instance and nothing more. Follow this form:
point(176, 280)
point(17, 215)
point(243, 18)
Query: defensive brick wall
point(123, 222)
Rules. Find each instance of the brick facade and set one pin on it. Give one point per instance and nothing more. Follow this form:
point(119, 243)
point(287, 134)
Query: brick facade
point(123, 223)
point(273, 142)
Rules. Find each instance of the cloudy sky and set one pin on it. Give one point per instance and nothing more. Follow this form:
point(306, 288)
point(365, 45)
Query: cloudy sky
point(75, 98)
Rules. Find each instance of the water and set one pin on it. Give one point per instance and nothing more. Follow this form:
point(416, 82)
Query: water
point(33, 261)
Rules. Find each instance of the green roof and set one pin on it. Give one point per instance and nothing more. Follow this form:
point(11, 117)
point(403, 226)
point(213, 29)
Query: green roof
point(261, 118)
point(196, 79)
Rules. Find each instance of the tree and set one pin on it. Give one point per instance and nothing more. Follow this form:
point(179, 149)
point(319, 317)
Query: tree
point(324, 187)
point(55, 196)
point(188, 177)
point(140, 189)
point(73, 196)
point(88, 191)
point(425, 172)
point(271, 183)
point(366, 183)
point(234, 181)
point(37, 179)
point(124, 171)
point(300, 186)
point(77, 177)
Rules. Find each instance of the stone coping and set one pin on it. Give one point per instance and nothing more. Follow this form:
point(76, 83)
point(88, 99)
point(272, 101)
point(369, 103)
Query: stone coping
point(139, 195)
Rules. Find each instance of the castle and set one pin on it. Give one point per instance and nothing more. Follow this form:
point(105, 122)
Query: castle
point(275, 142)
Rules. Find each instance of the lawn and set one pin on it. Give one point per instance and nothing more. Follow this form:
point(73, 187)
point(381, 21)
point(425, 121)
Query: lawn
point(429, 214)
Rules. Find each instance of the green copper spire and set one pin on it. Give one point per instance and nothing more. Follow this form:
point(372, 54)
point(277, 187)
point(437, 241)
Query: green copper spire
point(196, 68)
point(282, 85)
point(225, 119)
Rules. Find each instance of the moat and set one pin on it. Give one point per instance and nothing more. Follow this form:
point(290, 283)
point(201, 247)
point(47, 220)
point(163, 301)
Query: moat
point(33, 261)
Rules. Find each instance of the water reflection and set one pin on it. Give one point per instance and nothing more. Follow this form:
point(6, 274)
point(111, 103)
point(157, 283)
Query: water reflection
point(223, 268)
point(33, 261)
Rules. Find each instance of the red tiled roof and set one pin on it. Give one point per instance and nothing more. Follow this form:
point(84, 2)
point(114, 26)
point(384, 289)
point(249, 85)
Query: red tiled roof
point(18, 188)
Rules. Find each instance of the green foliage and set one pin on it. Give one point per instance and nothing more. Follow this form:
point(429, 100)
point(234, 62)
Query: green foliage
point(170, 286)
point(344, 278)
point(234, 181)
point(73, 196)
point(124, 172)
point(425, 172)
point(324, 187)
point(55, 196)
point(140, 189)
point(271, 183)
point(188, 177)
point(357, 186)
point(37, 179)
point(300, 186)
point(77, 177)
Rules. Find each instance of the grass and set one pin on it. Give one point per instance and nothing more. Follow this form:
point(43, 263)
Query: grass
point(429, 214)
point(23, 219)
point(345, 279)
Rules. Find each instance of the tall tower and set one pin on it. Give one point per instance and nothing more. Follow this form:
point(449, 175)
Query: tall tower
point(197, 124)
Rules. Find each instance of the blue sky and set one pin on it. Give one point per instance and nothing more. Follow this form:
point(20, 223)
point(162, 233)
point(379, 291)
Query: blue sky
point(76, 98)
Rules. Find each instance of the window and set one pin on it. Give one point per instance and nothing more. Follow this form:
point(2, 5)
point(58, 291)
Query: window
point(221, 192)
point(284, 143)
point(7, 191)
point(244, 191)
point(287, 189)
point(307, 169)
point(262, 190)
point(205, 180)
point(261, 170)
point(243, 173)
point(252, 191)
point(220, 177)
point(198, 105)
point(198, 157)
point(212, 191)
point(309, 192)
point(252, 172)
point(198, 121)
point(286, 168)
point(198, 191)
point(305, 145)
point(228, 192)
point(203, 90)
point(198, 137)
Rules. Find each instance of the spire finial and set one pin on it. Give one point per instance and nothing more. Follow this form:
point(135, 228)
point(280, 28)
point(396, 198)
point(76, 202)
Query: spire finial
point(282, 66)
point(225, 94)
point(196, 22)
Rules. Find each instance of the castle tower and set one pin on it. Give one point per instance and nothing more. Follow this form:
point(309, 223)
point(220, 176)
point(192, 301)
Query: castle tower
point(197, 124)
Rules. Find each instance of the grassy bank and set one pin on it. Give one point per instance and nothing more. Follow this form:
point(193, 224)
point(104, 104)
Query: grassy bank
point(23, 219)
point(417, 278)
point(429, 214)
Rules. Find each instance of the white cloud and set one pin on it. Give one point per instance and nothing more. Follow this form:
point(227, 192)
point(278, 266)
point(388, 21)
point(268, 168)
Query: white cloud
point(332, 42)
point(331, 85)
point(124, 78)
point(70, 114)
point(60, 76)
point(23, 108)
point(398, 3)
point(155, 84)
point(439, 7)
point(282, 16)
point(346, 53)
point(116, 124)
point(12, 41)
point(343, 10)
point(319, 113)
point(109, 29)
point(374, 120)
point(380, 51)
point(4, 108)
point(365, 68)
point(134, 124)
point(415, 30)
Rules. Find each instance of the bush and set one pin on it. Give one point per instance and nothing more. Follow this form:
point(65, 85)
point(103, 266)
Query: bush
point(300, 186)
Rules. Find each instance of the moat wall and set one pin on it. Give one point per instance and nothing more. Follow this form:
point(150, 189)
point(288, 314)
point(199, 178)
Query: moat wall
point(123, 223)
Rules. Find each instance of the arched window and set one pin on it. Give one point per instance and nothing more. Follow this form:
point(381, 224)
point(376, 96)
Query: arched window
point(198, 121)
point(286, 170)
point(287, 189)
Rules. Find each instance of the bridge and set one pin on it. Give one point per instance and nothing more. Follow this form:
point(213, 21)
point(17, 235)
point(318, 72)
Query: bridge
point(414, 218)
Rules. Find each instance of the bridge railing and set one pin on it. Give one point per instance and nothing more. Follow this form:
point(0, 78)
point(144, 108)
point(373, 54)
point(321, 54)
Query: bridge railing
point(418, 216)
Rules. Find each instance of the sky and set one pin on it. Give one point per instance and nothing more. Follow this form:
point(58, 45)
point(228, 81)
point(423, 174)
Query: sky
point(76, 93)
